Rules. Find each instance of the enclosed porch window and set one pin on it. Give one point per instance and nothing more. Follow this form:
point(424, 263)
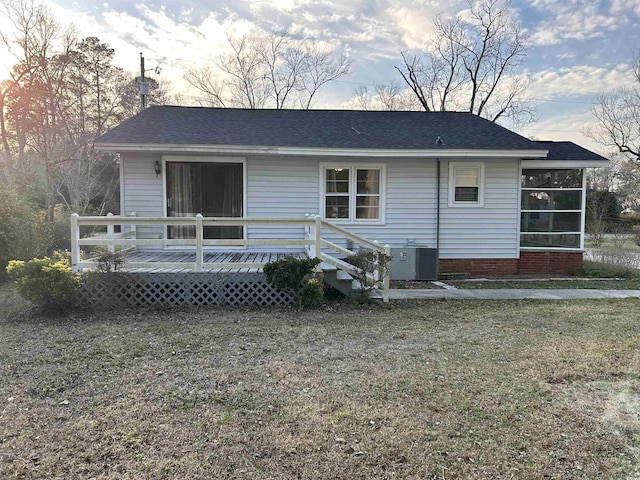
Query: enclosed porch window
point(552, 210)
point(210, 188)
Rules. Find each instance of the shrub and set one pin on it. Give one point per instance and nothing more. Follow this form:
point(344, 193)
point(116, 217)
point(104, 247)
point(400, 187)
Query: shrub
point(23, 232)
point(45, 281)
point(366, 262)
point(111, 262)
point(636, 235)
point(312, 292)
point(291, 274)
point(602, 207)
point(61, 228)
point(597, 269)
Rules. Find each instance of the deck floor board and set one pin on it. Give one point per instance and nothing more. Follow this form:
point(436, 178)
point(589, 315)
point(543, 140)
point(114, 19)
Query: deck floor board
point(150, 257)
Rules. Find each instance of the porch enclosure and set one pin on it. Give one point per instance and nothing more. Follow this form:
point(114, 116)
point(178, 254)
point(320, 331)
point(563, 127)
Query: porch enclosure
point(120, 232)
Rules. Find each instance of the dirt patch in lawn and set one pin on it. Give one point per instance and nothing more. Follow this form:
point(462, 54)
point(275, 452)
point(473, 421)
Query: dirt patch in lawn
point(441, 389)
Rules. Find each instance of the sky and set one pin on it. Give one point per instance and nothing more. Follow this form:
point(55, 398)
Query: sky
point(578, 48)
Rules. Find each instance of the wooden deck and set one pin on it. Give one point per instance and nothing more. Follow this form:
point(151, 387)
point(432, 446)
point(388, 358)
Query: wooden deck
point(195, 257)
point(208, 257)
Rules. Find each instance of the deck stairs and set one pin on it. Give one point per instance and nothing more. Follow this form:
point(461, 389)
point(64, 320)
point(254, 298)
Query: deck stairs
point(341, 280)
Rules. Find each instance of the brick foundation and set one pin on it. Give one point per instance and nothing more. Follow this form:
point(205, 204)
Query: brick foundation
point(480, 266)
point(550, 262)
point(529, 262)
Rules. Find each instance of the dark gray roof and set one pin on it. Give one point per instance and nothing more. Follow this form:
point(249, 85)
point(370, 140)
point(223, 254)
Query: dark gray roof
point(568, 151)
point(344, 129)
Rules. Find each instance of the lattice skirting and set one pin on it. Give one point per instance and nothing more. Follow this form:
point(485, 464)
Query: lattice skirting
point(104, 290)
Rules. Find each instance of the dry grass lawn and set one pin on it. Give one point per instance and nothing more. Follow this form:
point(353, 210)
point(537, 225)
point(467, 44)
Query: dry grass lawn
point(430, 390)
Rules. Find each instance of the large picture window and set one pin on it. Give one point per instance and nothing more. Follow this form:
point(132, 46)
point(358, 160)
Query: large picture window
point(551, 208)
point(213, 189)
point(353, 193)
point(466, 184)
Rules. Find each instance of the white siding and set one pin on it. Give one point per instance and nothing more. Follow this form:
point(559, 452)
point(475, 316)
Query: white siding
point(142, 192)
point(483, 232)
point(410, 193)
point(290, 186)
point(281, 187)
point(411, 205)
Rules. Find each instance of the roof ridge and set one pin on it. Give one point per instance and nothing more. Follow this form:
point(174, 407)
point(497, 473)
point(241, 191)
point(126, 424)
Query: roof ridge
point(332, 110)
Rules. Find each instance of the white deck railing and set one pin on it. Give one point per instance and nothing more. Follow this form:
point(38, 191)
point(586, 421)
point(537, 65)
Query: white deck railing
point(126, 240)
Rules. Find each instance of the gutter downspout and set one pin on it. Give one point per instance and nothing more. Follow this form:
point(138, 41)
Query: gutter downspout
point(438, 219)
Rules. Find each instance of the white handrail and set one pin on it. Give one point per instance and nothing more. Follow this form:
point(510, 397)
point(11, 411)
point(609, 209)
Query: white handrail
point(356, 238)
point(313, 240)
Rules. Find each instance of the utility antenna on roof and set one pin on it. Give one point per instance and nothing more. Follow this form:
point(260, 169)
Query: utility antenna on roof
point(145, 88)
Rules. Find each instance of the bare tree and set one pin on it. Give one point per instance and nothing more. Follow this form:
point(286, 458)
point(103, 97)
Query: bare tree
point(62, 93)
point(471, 64)
point(273, 70)
point(320, 66)
point(205, 80)
point(25, 43)
point(618, 117)
point(390, 96)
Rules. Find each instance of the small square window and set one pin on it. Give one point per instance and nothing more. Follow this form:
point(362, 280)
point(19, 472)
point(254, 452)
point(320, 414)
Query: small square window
point(465, 184)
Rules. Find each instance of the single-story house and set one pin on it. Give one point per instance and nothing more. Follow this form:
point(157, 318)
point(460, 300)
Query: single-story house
point(489, 201)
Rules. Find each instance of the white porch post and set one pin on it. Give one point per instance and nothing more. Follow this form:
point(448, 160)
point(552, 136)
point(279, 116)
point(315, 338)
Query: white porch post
point(387, 275)
point(376, 256)
point(133, 233)
point(318, 237)
point(75, 239)
point(199, 240)
point(308, 235)
point(110, 232)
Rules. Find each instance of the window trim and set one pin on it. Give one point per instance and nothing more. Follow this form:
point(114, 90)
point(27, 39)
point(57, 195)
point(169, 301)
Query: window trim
point(582, 211)
point(353, 167)
point(205, 159)
point(452, 185)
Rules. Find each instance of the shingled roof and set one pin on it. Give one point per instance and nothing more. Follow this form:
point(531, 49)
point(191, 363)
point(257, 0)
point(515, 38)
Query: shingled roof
point(568, 151)
point(341, 129)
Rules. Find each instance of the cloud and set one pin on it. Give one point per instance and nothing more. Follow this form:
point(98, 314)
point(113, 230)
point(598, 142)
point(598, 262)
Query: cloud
point(414, 26)
point(565, 127)
point(622, 7)
point(566, 56)
point(578, 80)
point(572, 20)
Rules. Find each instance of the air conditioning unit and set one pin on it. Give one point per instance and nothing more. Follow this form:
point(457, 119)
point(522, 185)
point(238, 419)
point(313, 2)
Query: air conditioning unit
point(412, 262)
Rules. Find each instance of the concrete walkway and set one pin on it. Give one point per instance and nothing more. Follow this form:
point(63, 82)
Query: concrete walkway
point(507, 294)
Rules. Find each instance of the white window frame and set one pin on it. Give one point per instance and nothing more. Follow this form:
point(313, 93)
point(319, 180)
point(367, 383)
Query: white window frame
point(353, 167)
point(452, 184)
point(205, 159)
point(581, 211)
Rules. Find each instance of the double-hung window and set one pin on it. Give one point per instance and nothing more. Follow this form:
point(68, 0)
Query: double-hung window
point(353, 193)
point(466, 182)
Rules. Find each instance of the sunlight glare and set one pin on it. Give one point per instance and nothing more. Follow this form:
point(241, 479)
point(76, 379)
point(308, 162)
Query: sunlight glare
point(6, 61)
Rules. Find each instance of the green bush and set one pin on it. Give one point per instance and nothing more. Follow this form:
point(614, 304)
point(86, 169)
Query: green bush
point(607, 270)
point(292, 275)
point(45, 281)
point(23, 232)
point(111, 262)
point(602, 207)
point(61, 228)
point(312, 292)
